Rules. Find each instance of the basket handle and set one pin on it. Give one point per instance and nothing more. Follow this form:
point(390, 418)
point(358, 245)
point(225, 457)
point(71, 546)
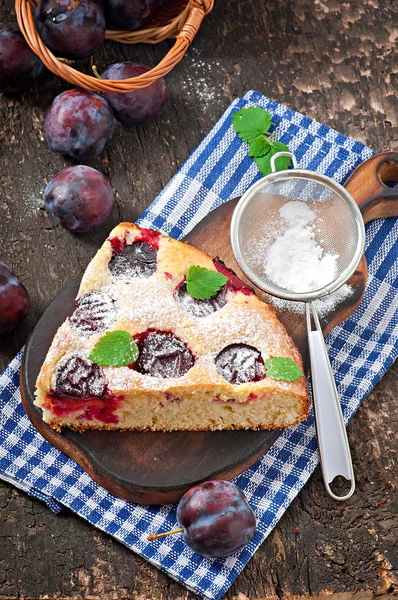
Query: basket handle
point(200, 8)
point(205, 5)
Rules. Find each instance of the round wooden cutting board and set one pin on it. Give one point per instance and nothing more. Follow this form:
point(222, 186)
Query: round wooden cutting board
point(157, 467)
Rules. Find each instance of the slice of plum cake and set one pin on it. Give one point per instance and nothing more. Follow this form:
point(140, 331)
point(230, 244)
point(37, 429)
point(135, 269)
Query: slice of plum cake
point(165, 338)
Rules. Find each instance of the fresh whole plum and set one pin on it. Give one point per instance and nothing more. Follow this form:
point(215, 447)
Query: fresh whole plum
point(130, 14)
point(14, 300)
point(138, 106)
point(71, 28)
point(19, 66)
point(79, 197)
point(78, 124)
point(216, 518)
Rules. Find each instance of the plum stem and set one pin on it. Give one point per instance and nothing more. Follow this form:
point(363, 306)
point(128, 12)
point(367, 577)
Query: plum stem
point(64, 60)
point(95, 71)
point(155, 536)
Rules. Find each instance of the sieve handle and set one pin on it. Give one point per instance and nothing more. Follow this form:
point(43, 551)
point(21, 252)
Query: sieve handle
point(278, 155)
point(333, 444)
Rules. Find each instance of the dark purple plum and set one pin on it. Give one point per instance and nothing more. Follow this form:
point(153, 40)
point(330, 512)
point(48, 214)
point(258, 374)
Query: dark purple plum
point(137, 260)
point(71, 28)
point(19, 66)
point(162, 354)
point(78, 124)
point(216, 518)
point(14, 300)
point(80, 198)
point(130, 14)
point(79, 377)
point(200, 308)
point(240, 363)
point(138, 106)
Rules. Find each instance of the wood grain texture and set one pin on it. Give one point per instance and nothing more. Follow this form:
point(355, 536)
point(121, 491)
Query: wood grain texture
point(367, 184)
point(334, 61)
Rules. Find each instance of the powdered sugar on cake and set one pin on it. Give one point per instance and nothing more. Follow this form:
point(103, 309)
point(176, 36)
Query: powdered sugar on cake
point(145, 304)
point(76, 376)
point(135, 260)
point(94, 313)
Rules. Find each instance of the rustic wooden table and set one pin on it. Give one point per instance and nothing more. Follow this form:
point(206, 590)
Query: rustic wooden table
point(332, 60)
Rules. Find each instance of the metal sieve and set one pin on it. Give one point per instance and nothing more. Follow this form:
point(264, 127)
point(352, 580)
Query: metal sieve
point(338, 231)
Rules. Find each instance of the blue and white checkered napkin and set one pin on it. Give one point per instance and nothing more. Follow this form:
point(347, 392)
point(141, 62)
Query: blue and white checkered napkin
point(361, 350)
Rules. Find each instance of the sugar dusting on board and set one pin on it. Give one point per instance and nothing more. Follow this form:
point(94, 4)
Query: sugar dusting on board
point(324, 306)
point(295, 261)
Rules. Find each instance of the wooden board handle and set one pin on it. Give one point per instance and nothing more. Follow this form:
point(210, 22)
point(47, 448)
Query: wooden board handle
point(367, 186)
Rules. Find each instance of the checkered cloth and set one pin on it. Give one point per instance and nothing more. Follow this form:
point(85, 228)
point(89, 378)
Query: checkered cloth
point(361, 350)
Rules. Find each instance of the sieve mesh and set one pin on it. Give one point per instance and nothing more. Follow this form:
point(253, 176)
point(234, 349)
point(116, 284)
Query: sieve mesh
point(257, 223)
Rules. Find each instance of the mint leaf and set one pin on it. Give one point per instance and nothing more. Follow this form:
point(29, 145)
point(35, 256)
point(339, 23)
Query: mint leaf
point(284, 369)
point(264, 162)
point(203, 283)
point(259, 146)
point(115, 349)
point(251, 122)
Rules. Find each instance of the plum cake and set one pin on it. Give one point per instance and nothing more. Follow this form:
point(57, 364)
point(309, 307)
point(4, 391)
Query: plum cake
point(165, 338)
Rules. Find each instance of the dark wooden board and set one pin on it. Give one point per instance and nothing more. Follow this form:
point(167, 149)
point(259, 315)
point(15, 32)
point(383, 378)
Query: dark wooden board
point(146, 467)
point(333, 61)
point(159, 467)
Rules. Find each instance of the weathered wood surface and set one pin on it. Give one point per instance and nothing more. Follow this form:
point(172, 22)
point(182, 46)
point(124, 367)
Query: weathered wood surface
point(333, 60)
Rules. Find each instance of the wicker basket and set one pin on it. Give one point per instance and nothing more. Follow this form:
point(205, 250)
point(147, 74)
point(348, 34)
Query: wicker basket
point(179, 19)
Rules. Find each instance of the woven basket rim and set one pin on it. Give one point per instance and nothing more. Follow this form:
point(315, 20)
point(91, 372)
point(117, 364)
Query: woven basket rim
point(183, 28)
